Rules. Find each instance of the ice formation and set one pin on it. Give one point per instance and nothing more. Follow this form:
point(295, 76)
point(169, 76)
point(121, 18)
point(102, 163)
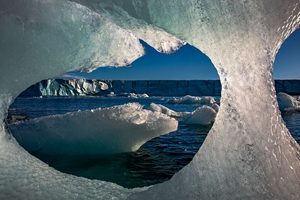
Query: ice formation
point(248, 154)
point(202, 115)
point(163, 109)
point(70, 85)
point(188, 99)
point(99, 131)
point(76, 86)
point(286, 101)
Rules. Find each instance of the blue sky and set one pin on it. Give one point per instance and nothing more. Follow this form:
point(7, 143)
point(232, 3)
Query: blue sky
point(191, 64)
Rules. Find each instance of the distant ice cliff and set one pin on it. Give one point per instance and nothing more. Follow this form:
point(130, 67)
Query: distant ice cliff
point(82, 87)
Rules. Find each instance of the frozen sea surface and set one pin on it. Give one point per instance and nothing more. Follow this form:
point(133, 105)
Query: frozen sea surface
point(156, 161)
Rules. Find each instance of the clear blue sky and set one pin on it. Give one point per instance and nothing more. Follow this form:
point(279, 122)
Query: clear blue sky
point(191, 64)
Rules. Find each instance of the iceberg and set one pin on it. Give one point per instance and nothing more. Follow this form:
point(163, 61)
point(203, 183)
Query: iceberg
point(110, 130)
point(67, 87)
point(248, 154)
point(202, 115)
point(286, 101)
point(163, 109)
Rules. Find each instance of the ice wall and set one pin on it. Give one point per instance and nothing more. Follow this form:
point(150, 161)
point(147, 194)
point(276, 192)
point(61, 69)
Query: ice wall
point(82, 87)
point(248, 154)
point(67, 87)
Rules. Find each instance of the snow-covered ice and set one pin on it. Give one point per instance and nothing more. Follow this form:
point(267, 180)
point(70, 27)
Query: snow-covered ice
point(99, 131)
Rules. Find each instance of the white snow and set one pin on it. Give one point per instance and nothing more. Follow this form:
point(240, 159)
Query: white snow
point(248, 154)
point(99, 131)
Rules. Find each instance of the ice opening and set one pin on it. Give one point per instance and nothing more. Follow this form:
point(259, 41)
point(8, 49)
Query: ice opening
point(134, 133)
point(287, 83)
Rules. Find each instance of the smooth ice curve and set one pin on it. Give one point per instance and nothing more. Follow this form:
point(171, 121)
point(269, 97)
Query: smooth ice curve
point(116, 129)
point(248, 153)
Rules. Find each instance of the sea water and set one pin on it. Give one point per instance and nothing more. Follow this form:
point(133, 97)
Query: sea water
point(155, 162)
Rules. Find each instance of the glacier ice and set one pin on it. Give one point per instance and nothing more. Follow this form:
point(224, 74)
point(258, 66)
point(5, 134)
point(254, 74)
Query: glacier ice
point(248, 154)
point(74, 86)
point(110, 130)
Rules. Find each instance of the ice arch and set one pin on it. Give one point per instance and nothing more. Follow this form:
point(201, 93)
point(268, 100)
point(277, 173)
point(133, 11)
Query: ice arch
point(248, 154)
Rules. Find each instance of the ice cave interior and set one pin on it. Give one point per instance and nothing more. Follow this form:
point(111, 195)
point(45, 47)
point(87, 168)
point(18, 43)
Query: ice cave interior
point(258, 158)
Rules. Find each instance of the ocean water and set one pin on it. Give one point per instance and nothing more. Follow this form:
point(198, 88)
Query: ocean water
point(155, 162)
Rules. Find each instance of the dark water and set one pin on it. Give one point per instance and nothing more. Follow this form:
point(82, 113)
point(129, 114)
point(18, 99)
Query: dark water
point(156, 161)
point(292, 121)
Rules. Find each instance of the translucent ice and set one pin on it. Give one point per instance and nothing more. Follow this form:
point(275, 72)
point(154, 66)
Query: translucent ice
point(100, 131)
point(248, 154)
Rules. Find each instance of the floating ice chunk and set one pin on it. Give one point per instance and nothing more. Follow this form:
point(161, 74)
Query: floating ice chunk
point(129, 95)
point(133, 95)
point(111, 94)
point(207, 100)
point(202, 115)
point(162, 109)
point(188, 99)
point(215, 107)
point(100, 131)
point(286, 101)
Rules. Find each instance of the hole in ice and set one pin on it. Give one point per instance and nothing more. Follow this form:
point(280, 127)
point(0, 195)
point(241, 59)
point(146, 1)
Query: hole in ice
point(287, 82)
point(45, 119)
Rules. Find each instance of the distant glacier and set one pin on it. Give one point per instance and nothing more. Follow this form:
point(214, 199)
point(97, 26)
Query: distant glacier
point(86, 87)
